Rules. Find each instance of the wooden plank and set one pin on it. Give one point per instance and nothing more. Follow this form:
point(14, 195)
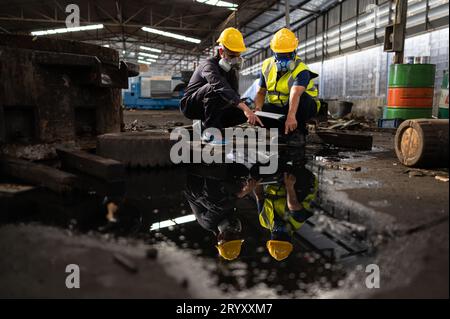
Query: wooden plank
point(341, 139)
point(91, 164)
point(14, 189)
point(38, 174)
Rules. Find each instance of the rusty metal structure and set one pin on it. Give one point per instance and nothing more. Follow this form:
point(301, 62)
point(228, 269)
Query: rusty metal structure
point(57, 91)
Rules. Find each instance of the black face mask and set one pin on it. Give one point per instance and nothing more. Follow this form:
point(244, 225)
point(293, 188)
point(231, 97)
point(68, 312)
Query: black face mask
point(285, 62)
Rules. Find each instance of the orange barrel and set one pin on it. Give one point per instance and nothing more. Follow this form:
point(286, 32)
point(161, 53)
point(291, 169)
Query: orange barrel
point(422, 143)
point(410, 92)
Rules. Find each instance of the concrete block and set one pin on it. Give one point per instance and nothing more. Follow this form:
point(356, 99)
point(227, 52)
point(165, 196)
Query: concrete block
point(137, 149)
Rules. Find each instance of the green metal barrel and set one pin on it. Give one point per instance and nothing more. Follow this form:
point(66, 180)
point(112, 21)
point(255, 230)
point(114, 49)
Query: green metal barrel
point(409, 78)
point(406, 113)
point(412, 75)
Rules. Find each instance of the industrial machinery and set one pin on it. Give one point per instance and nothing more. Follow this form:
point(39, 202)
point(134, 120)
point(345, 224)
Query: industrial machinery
point(151, 93)
point(57, 91)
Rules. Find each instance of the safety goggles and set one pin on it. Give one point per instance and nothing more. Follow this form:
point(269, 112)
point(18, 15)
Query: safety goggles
point(231, 54)
point(283, 57)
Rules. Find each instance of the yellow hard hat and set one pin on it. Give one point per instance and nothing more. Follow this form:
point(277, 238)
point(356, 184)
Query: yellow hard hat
point(279, 249)
point(284, 41)
point(231, 249)
point(232, 39)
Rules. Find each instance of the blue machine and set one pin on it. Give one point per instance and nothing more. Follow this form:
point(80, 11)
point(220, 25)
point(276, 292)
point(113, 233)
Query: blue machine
point(145, 95)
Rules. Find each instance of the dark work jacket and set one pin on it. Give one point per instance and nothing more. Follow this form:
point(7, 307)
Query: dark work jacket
point(225, 84)
point(211, 200)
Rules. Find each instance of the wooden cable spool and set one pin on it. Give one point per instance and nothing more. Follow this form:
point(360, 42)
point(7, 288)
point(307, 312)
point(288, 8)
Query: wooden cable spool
point(422, 143)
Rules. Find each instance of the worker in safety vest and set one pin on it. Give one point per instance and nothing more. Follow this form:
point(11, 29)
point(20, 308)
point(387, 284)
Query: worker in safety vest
point(212, 93)
point(212, 198)
point(284, 207)
point(286, 86)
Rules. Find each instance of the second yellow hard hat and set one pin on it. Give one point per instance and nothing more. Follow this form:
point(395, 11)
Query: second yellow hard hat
point(279, 249)
point(284, 41)
point(231, 249)
point(232, 39)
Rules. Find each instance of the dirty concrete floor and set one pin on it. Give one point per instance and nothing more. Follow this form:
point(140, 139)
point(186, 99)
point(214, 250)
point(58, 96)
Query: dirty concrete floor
point(404, 211)
point(408, 209)
point(37, 261)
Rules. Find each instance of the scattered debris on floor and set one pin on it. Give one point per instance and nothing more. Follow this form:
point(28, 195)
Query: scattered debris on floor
point(347, 123)
point(126, 263)
point(442, 178)
point(417, 172)
point(137, 125)
point(344, 167)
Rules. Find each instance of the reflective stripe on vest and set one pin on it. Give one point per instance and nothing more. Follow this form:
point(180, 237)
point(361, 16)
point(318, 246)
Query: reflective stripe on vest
point(275, 203)
point(278, 91)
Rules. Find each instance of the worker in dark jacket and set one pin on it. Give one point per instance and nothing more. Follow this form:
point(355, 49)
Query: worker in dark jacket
point(213, 201)
point(212, 93)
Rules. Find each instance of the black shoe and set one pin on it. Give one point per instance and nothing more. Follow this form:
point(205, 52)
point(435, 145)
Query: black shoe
point(296, 139)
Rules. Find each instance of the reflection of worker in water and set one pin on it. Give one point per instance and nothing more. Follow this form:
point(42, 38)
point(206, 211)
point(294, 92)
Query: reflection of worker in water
point(284, 207)
point(213, 200)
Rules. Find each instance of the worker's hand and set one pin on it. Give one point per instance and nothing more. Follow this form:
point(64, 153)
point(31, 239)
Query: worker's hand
point(112, 209)
point(252, 118)
point(290, 125)
point(289, 180)
point(249, 186)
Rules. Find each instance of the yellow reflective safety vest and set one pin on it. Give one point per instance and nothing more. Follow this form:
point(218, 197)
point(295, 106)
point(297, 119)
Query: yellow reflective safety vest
point(275, 202)
point(278, 90)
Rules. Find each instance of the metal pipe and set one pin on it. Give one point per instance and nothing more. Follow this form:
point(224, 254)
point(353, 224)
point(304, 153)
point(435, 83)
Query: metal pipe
point(287, 11)
point(401, 7)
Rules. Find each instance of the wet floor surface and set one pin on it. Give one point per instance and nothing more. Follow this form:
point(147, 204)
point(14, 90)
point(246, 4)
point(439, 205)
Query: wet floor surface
point(368, 209)
point(192, 207)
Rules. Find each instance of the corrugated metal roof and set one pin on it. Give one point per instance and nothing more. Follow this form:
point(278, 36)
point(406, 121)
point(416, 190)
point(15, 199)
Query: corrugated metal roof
point(257, 33)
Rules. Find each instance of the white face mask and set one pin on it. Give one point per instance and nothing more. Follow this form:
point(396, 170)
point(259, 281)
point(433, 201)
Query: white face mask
point(237, 63)
point(226, 63)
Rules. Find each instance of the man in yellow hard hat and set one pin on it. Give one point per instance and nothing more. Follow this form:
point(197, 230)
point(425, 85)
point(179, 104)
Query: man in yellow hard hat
point(286, 87)
point(212, 93)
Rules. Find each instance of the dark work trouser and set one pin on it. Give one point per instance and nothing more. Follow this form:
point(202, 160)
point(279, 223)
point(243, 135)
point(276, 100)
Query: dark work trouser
point(211, 108)
point(307, 109)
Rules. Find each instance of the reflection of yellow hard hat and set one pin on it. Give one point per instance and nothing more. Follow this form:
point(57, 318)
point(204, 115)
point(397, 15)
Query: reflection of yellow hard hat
point(284, 41)
point(279, 249)
point(232, 39)
point(231, 249)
